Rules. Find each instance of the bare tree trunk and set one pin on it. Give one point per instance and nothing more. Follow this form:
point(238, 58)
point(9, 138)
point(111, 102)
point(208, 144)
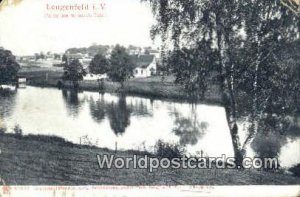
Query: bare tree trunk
point(75, 85)
point(254, 113)
point(101, 86)
point(227, 88)
point(255, 85)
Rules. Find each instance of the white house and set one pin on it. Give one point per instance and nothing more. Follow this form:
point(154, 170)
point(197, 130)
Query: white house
point(145, 66)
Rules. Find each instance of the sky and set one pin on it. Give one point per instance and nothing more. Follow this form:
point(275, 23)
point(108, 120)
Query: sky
point(26, 29)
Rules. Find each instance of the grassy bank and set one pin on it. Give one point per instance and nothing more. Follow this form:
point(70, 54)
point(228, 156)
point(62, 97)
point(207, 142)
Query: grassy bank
point(153, 87)
point(41, 160)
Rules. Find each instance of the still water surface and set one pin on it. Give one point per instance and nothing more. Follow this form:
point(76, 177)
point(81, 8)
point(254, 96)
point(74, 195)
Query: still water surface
point(134, 123)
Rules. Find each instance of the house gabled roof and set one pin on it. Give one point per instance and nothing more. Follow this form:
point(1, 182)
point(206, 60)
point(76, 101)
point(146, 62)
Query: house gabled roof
point(142, 61)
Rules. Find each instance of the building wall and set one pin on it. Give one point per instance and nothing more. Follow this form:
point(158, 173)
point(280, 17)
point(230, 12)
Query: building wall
point(145, 72)
point(139, 73)
point(93, 77)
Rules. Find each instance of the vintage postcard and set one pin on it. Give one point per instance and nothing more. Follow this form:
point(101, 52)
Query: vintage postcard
point(150, 98)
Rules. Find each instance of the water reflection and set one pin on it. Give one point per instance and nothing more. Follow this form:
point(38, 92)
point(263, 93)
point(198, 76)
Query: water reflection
point(97, 108)
point(268, 145)
point(119, 115)
point(141, 108)
point(274, 134)
point(189, 129)
point(140, 122)
point(7, 105)
point(7, 101)
point(72, 101)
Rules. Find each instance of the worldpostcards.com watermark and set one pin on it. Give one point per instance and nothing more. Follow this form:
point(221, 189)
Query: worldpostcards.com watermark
point(152, 163)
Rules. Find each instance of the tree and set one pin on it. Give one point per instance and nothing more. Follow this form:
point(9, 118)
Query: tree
point(121, 65)
point(42, 55)
point(269, 26)
point(99, 65)
point(64, 58)
point(37, 56)
point(74, 72)
point(8, 67)
point(57, 56)
point(244, 37)
point(192, 68)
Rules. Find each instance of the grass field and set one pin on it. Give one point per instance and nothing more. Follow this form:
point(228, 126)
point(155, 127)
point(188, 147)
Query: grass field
point(41, 160)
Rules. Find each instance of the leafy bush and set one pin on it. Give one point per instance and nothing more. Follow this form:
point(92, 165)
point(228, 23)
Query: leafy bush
point(2, 130)
point(18, 131)
point(167, 150)
point(295, 170)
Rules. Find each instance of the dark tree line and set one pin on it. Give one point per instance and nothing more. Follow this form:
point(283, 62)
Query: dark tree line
point(8, 67)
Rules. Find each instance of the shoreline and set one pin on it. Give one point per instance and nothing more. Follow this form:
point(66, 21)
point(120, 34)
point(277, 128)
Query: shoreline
point(57, 162)
point(151, 87)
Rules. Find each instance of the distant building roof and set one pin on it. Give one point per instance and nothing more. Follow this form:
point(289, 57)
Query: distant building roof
point(74, 56)
point(131, 47)
point(142, 61)
point(153, 51)
point(27, 56)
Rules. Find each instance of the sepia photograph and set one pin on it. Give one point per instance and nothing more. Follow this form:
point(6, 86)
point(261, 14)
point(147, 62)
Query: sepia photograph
point(149, 98)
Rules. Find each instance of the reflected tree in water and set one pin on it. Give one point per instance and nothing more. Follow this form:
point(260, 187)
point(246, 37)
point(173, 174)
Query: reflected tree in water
point(119, 115)
point(7, 101)
point(7, 104)
point(140, 108)
point(189, 129)
point(268, 144)
point(271, 138)
point(97, 109)
point(72, 101)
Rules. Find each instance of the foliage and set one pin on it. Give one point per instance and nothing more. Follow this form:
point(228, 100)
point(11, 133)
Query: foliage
point(39, 56)
point(167, 150)
point(193, 68)
point(2, 130)
point(18, 131)
point(99, 64)
point(57, 56)
point(243, 39)
point(8, 66)
point(295, 170)
point(73, 71)
point(64, 58)
point(121, 65)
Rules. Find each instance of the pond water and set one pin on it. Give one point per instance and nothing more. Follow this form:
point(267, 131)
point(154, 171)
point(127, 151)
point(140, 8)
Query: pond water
point(132, 122)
